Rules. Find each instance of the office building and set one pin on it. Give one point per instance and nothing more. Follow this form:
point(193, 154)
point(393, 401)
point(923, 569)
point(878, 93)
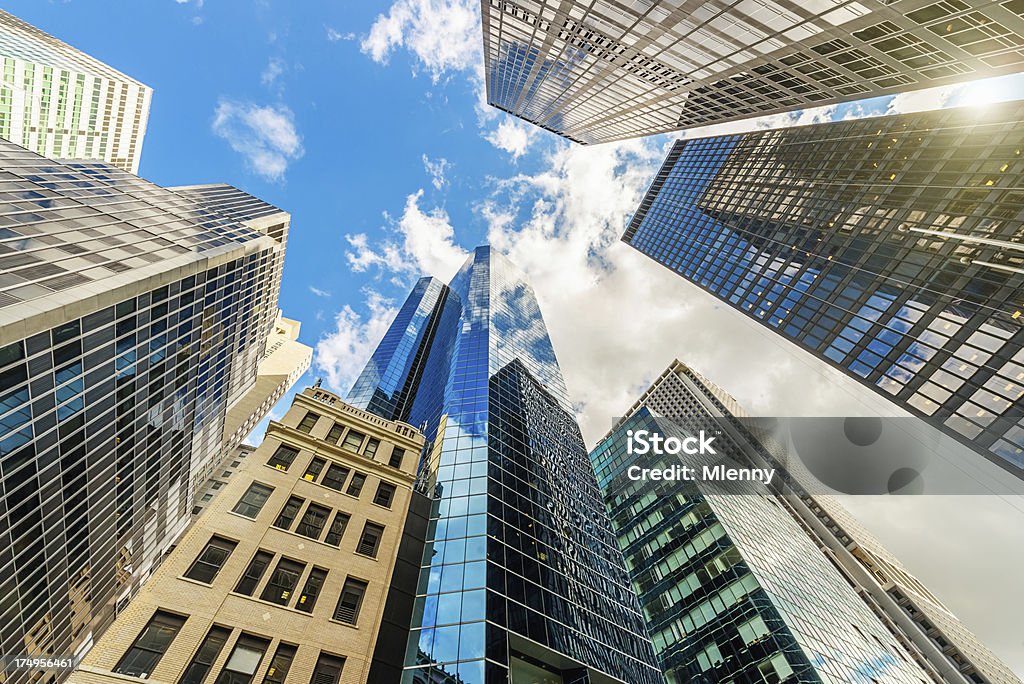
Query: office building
point(63, 104)
point(521, 580)
point(888, 248)
point(742, 583)
point(285, 576)
point(132, 318)
point(609, 70)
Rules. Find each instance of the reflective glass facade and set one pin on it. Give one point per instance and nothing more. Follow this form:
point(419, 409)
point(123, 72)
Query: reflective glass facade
point(732, 588)
point(611, 69)
point(888, 247)
point(521, 573)
point(131, 318)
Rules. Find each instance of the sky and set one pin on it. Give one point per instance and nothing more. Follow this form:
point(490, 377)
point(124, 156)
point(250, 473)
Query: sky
point(368, 123)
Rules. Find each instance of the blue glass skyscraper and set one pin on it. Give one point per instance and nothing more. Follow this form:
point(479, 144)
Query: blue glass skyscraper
point(522, 579)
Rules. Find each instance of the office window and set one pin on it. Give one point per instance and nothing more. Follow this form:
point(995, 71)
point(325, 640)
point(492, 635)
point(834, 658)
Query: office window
point(287, 515)
point(205, 655)
point(328, 669)
point(244, 660)
point(252, 501)
point(385, 494)
point(308, 421)
point(350, 602)
point(283, 457)
point(151, 644)
point(352, 440)
point(210, 561)
point(283, 581)
point(313, 471)
point(337, 530)
point(356, 485)
point(396, 458)
point(310, 592)
point(254, 573)
point(371, 447)
point(280, 664)
point(370, 541)
point(335, 477)
point(313, 521)
point(335, 433)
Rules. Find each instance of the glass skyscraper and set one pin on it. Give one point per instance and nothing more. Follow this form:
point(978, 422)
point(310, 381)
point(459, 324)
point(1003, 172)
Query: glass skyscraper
point(132, 319)
point(521, 580)
point(609, 70)
point(889, 247)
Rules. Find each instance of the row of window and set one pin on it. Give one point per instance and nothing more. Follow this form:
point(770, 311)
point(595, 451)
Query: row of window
point(241, 666)
point(333, 476)
point(349, 439)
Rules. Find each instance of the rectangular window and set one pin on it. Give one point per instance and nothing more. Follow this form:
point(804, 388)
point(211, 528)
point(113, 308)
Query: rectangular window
point(313, 471)
point(150, 646)
point(252, 501)
point(280, 664)
point(244, 660)
point(308, 421)
point(254, 573)
point(287, 515)
point(328, 669)
point(371, 447)
point(352, 440)
point(337, 530)
point(310, 592)
point(210, 561)
point(205, 655)
point(396, 458)
point(335, 433)
point(283, 581)
point(283, 457)
point(350, 602)
point(313, 521)
point(385, 494)
point(369, 543)
point(356, 485)
point(335, 477)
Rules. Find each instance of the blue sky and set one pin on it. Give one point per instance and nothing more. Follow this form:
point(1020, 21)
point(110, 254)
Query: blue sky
point(365, 121)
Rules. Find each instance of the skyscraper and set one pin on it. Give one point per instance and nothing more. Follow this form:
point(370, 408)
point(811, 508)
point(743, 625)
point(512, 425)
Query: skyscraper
point(731, 579)
point(64, 104)
point(605, 70)
point(887, 247)
point(522, 578)
point(132, 319)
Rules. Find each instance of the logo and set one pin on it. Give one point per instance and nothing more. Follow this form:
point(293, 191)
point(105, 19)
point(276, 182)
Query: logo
point(642, 442)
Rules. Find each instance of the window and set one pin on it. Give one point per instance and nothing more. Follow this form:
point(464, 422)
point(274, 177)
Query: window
point(282, 581)
point(371, 447)
point(370, 541)
point(150, 646)
point(252, 501)
point(335, 477)
point(385, 494)
point(310, 592)
point(283, 457)
point(350, 601)
point(205, 656)
point(313, 521)
point(328, 669)
point(280, 664)
point(254, 573)
point(244, 660)
point(396, 458)
point(313, 471)
point(753, 629)
point(356, 485)
point(308, 421)
point(352, 440)
point(210, 561)
point(337, 529)
point(335, 433)
point(287, 515)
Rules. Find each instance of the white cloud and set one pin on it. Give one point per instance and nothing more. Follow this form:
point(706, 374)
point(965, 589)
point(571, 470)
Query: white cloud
point(436, 170)
point(275, 67)
point(264, 135)
point(334, 35)
point(318, 292)
point(513, 136)
point(342, 353)
point(442, 35)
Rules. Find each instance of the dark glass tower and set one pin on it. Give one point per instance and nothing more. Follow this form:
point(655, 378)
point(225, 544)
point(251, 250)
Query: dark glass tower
point(891, 248)
point(522, 579)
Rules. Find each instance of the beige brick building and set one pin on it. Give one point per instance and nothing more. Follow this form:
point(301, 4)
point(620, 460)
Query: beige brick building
point(286, 574)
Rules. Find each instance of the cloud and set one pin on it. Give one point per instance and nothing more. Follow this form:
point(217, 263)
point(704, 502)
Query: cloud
point(436, 170)
point(334, 35)
point(442, 35)
point(342, 353)
point(318, 292)
point(513, 136)
point(275, 67)
point(264, 135)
